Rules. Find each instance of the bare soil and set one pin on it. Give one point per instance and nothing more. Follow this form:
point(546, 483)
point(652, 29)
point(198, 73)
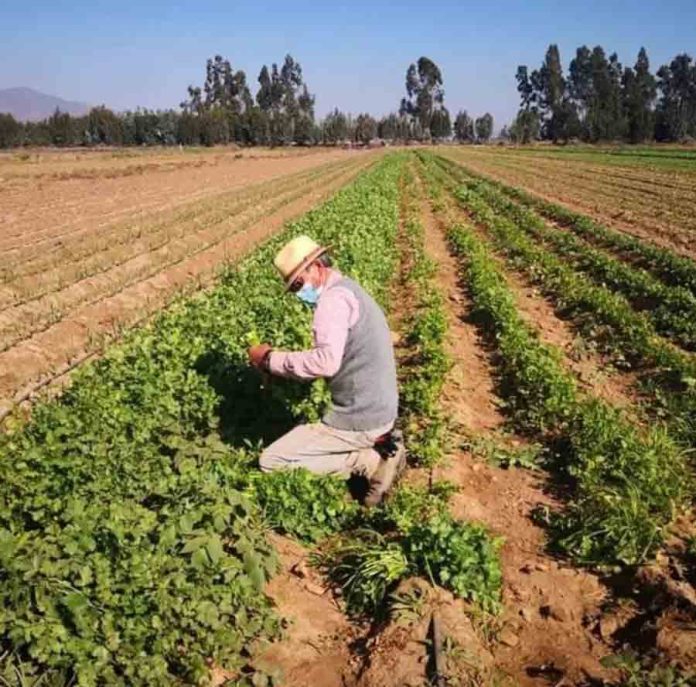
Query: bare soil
point(321, 646)
point(53, 291)
point(43, 209)
point(315, 649)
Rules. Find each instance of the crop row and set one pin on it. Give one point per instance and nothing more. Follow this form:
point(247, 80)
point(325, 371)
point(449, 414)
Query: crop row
point(132, 548)
point(668, 373)
point(413, 533)
point(645, 187)
point(631, 202)
point(671, 268)
point(672, 309)
point(428, 363)
point(627, 481)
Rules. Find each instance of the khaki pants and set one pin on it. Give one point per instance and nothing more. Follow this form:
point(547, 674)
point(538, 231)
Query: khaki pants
point(325, 450)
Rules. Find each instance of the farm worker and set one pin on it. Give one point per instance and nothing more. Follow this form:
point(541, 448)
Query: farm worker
point(353, 351)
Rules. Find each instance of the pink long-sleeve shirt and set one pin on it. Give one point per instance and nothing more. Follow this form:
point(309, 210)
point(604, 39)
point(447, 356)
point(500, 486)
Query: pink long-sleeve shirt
point(336, 312)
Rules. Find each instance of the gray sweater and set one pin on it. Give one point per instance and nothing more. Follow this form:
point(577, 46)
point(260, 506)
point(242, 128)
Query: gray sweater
point(364, 390)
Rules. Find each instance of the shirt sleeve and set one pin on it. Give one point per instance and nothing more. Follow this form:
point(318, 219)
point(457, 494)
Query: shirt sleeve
point(337, 311)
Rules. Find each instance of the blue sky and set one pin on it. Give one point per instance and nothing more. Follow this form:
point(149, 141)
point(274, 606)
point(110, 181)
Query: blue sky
point(354, 55)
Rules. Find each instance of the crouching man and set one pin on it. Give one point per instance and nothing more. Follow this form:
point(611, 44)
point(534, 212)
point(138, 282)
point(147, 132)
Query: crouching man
point(353, 350)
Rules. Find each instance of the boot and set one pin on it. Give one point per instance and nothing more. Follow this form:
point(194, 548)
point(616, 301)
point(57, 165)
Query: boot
point(392, 463)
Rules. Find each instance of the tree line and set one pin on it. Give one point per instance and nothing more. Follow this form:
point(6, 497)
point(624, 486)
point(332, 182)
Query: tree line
point(223, 110)
point(599, 99)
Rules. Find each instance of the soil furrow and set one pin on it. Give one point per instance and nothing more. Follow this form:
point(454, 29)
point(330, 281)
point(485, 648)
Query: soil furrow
point(633, 201)
point(652, 223)
point(90, 243)
point(85, 202)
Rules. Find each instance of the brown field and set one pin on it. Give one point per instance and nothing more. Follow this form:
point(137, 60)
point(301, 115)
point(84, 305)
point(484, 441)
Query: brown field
point(649, 200)
point(91, 242)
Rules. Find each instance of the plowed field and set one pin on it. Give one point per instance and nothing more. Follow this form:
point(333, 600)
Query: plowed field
point(649, 197)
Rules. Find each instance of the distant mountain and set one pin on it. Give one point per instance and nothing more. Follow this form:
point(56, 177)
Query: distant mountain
point(28, 105)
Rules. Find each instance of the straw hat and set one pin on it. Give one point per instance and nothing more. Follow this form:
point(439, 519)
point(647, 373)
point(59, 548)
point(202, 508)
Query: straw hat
point(295, 256)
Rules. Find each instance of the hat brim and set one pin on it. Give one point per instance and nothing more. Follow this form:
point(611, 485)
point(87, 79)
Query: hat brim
point(316, 253)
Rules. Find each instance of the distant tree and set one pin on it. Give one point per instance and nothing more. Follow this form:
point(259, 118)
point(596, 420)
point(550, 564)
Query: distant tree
point(60, 127)
point(425, 94)
point(639, 90)
point(526, 88)
point(224, 87)
point(104, 127)
point(222, 104)
point(143, 127)
point(484, 128)
point(526, 127)
point(37, 134)
point(365, 128)
point(285, 99)
point(188, 130)
point(334, 127)
point(215, 127)
point(595, 88)
point(10, 131)
point(441, 125)
point(387, 127)
point(551, 87)
point(546, 93)
point(464, 127)
point(304, 124)
point(676, 109)
point(395, 127)
point(258, 128)
point(194, 104)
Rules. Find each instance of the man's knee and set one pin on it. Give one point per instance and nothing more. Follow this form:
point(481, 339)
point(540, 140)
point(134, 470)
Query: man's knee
point(269, 461)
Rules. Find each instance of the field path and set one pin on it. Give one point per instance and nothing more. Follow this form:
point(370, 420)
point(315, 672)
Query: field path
point(37, 361)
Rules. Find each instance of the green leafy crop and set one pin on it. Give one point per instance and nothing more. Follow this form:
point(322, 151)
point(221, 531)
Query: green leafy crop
point(305, 505)
point(459, 556)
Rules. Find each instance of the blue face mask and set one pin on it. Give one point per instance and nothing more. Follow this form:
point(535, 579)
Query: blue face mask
point(309, 294)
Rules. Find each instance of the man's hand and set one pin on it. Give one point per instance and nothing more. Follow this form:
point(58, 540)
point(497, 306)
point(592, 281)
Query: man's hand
point(258, 356)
